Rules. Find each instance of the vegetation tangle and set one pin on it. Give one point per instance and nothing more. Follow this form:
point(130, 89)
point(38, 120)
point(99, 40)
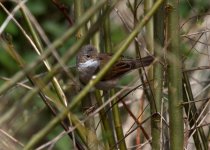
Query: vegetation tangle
point(47, 102)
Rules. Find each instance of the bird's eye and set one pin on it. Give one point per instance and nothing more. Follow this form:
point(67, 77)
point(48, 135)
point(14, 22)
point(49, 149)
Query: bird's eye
point(88, 56)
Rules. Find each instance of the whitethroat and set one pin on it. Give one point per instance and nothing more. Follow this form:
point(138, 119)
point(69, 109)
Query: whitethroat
point(89, 62)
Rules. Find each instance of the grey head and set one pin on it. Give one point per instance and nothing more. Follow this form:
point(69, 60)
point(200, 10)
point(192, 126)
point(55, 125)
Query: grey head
point(87, 52)
point(87, 63)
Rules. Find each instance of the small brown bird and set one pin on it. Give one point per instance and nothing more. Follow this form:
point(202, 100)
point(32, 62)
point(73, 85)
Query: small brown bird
point(89, 62)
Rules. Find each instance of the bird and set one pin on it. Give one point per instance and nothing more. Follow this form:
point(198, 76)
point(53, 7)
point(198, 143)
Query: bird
point(89, 62)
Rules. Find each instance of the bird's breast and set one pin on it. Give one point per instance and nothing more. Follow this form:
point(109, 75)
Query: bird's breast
point(87, 69)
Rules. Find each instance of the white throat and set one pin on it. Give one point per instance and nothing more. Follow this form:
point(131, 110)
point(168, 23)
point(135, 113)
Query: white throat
point(90, 63)
point(87, 69)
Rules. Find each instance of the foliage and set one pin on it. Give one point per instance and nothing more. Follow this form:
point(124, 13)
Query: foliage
point(40, 98)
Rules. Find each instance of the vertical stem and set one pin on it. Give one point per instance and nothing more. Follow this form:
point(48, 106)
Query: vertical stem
point(175, 79)
point(87, 101)
point(150, 46)
point(149, 33)
point(78, 12)
point(149, 27)
point(108, 49)
point(115, 111)
point(158, 77)
point(96, 37)
point(107, 33)
point(155, 32)
point(106, 125)
point(118, 124)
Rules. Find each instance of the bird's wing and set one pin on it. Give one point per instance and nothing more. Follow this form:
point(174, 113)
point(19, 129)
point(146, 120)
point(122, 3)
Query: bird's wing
point(121, 67)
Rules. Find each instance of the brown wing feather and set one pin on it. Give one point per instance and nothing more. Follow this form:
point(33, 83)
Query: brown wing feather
point(122, 66)
point(118, 69)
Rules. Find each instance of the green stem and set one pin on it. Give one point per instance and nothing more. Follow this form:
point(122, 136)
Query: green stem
point(159, 20)
point(106, 125)
point(118, 124)
point(175, 94)
point(107, 117)
point(87, 101)
point(96, 37)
